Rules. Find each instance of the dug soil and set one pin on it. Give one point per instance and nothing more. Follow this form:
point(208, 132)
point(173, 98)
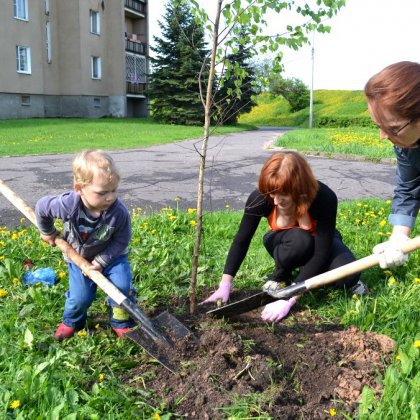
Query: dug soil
point(244, 367)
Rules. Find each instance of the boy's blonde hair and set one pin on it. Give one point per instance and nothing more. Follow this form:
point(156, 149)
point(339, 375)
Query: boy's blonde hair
point(89, 163)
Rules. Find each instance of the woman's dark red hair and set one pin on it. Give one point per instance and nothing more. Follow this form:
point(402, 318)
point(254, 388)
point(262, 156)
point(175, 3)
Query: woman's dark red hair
point(289, 173)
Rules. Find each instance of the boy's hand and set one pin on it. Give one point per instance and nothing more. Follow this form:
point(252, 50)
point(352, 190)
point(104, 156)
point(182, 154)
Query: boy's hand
point(96, 266)
point(50, 239)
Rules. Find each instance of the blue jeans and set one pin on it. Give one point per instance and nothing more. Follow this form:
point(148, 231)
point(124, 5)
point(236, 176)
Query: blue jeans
point(82, 292)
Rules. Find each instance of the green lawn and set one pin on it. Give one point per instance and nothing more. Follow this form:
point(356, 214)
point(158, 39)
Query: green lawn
point(359, 141)
point(42, 136)
point(82, 378)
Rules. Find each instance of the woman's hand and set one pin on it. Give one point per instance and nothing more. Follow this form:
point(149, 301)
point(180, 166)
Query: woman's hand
point(223, 292)
point(277, 310)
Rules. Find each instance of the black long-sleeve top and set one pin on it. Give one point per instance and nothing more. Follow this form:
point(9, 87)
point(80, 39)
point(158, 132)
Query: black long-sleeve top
point(323, 211)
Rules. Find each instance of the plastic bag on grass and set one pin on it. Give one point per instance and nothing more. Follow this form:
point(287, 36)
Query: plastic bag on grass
point(40, 275)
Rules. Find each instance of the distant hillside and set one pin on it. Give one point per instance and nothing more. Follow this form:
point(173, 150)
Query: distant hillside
point(332, 108)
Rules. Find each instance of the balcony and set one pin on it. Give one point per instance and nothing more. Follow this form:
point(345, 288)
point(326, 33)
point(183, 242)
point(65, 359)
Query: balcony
point(135, 47)
point(136, 88)
point(137, 7)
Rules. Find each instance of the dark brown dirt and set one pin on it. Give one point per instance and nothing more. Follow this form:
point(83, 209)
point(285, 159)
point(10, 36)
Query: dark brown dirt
point(300, 368)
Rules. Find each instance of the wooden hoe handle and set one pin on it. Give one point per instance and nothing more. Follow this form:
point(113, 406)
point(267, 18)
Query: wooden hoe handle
point(356, 266)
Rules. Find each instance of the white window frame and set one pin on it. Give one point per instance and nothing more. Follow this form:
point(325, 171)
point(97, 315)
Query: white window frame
point(23, 59)
point(95, 22)
point(96, 68)
point(20, 9)
point(48, 41)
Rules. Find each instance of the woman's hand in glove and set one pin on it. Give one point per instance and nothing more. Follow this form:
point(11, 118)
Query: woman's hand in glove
point(277, 310)
point(223, 292)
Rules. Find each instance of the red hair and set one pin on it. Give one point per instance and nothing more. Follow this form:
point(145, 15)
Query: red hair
point(289, 173)
point(396, 88)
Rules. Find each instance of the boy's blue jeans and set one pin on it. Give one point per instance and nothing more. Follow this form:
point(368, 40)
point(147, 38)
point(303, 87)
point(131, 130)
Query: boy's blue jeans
point(82, 292)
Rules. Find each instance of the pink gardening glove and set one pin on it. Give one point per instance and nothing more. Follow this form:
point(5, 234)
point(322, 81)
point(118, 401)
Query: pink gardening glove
point(222, 292)
point(277, 310)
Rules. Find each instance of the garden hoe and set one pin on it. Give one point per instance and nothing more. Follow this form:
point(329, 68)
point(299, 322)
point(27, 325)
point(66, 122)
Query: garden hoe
point(156, 336)
point(263, 298)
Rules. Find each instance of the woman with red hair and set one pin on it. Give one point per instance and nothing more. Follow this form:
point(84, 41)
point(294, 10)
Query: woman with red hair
point(301, 213)
point(393, 97)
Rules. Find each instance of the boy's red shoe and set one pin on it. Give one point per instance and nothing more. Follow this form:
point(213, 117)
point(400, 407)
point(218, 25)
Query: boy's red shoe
point(121, 331)
point(63, 332)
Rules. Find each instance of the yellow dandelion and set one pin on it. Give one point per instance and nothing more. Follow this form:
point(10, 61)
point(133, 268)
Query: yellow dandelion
point(416, 280)
point(398, 357)
point(416, 344)
point(1, 257)
point(82, 333)
point(382, 223)
point(153, 231)
point(61, 274)
point(156, 416)
point(101, 377)
point(171, 217)
point(15, 237)
point(3, 293)
point(333, 412)
point(191, 211)
point(388, 201)
point(15, 404)
point(15, 281)
point(392, 281)
point(193, 223)
point(359, 204)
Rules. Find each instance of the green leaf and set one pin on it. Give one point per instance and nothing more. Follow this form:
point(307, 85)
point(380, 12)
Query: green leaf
point(28, 338)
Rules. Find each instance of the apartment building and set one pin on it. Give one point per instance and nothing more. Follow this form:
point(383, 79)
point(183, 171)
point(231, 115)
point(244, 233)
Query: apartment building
point(73, 58)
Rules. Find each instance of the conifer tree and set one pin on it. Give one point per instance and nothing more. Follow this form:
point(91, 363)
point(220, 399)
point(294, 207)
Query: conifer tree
point(178, 64)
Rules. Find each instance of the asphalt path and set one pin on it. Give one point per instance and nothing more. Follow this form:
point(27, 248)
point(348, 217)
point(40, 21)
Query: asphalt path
point(167, 175)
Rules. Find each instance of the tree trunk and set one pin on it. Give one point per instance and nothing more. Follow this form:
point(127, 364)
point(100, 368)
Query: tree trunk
point(207, 115)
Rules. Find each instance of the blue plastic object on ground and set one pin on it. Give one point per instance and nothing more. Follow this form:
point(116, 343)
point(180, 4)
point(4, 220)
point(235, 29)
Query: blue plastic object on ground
point(40, 275)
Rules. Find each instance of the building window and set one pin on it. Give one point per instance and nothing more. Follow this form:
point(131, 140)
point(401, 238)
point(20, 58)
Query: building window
point(95, 23)
point(96, 67)
point(25, 100)
point(23, 59)
point(20, 9)
point(97, 102)
point(48, 41)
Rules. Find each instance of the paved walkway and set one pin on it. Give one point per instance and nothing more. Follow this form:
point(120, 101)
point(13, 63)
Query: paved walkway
point(154, 176)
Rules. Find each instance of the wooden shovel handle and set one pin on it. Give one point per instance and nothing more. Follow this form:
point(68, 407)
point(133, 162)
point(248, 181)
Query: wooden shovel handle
point(355, 266)
point(96, 276)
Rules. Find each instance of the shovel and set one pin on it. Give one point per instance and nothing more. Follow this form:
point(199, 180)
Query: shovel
point(263, 298)
point(156, 336)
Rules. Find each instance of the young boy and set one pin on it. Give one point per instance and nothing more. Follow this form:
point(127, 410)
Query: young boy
point(97, 225)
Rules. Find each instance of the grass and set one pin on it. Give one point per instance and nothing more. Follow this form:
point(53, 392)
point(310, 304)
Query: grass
point(359, 141)
point(41, 136)
point(327, 104)
point(83, 377)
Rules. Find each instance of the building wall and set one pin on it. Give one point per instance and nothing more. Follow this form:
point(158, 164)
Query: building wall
point(64, 87)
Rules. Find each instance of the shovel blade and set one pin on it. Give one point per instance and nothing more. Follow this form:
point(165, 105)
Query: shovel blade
point(172, 327)
point(163, 350)
point(244, 305)
point(163, 353)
